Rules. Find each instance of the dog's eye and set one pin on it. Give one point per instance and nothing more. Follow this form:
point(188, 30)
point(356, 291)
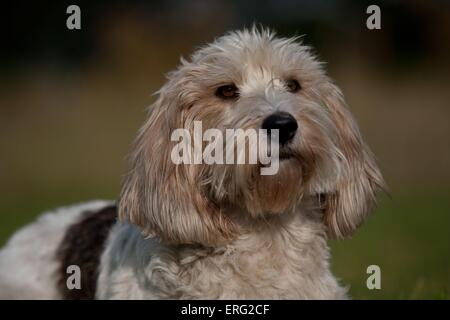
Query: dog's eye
point(227, 92)
point(292, 85)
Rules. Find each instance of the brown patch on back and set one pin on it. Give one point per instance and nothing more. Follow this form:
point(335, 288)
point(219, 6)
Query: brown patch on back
point(83, 245)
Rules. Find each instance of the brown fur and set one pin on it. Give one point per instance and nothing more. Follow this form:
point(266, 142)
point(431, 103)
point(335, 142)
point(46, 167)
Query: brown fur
point(83, 245)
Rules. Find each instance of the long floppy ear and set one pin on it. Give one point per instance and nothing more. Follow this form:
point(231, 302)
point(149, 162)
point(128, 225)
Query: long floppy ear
point(354, 195)
point(163, 198)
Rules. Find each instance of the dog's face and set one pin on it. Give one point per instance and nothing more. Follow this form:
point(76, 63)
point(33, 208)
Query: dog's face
point(249, 80)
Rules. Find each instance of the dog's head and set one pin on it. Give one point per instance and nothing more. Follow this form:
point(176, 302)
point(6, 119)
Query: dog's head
point(249, 80)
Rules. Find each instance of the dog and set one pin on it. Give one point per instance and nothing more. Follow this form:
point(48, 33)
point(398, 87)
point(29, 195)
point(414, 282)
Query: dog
point(215, 231)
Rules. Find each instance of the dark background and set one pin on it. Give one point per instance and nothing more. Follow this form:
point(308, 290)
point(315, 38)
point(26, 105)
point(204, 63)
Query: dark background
point(72, 101)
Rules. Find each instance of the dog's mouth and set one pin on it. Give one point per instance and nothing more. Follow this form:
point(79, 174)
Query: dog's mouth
point(285, 156)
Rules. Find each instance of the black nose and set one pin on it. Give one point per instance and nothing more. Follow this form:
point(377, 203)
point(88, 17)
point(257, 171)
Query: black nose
point(284, 122)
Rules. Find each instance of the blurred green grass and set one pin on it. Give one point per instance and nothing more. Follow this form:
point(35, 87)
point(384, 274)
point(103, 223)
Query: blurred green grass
point(408, 238)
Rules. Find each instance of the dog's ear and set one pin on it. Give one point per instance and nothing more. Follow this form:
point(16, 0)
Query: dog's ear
point(162, 198)
point(354, 194)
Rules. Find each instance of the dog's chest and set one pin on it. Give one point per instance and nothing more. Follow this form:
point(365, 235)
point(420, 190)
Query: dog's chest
point(292, 266)
point(265, 271)
point(240, 276)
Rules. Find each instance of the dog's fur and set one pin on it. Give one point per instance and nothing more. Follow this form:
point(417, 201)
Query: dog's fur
point(222, 231)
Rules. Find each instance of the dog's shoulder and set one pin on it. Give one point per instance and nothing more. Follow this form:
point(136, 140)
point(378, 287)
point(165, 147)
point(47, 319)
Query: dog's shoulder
point(82, 247)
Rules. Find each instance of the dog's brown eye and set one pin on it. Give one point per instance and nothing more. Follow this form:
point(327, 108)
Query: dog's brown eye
point(292, 85)
point(227, 92)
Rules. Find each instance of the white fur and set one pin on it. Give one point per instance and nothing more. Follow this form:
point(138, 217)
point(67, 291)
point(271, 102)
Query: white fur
point(28, 263)
point(291, 263)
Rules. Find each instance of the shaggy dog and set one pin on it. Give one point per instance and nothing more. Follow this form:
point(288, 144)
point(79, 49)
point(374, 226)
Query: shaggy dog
point(215, 231)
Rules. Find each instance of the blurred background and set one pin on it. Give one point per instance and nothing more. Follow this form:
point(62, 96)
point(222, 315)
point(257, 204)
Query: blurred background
point(71, 102)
